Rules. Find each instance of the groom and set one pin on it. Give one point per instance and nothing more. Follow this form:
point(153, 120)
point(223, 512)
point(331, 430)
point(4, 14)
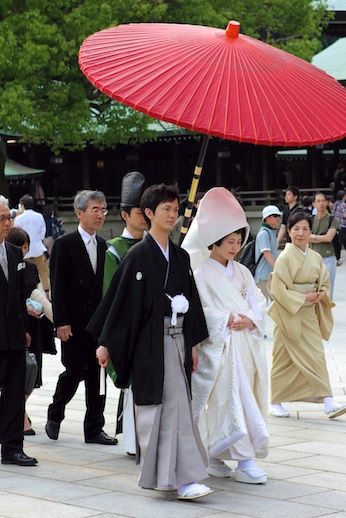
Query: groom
point(150, 320)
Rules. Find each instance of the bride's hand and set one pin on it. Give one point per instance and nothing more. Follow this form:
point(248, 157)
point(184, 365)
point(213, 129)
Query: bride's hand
point(242, 323)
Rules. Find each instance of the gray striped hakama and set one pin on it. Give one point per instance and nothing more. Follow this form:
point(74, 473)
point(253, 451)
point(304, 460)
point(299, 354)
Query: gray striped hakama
point(171, 452)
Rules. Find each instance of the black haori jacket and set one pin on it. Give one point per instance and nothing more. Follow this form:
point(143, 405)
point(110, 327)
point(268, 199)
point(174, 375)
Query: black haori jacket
point(130, 319)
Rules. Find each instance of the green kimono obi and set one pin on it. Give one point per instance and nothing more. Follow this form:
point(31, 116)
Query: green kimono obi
point(121, 245)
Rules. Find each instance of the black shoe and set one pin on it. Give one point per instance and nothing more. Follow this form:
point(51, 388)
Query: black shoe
point(20, 459)
point(102, 438)
point(31, 431)
point(52, 429)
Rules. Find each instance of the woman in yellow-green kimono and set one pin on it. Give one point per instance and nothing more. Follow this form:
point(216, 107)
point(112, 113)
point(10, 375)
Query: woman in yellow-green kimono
point(301, 310)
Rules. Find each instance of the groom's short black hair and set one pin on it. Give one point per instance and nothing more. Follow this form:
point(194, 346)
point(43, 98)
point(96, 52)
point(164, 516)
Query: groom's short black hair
point(156, 194)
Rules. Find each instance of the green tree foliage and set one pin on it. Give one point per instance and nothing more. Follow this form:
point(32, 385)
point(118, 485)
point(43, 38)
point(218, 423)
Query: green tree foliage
point(45, 97)
point(43, 94)
point(292, 25)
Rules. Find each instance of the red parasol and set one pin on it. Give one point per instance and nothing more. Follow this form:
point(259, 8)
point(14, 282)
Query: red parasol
point(216, 82)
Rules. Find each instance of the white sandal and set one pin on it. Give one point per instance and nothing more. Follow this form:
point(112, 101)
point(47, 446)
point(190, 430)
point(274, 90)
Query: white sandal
point(336, 412)
point(193, 491)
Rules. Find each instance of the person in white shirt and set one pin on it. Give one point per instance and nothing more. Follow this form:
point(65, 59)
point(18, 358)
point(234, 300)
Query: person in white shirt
point(34, 224)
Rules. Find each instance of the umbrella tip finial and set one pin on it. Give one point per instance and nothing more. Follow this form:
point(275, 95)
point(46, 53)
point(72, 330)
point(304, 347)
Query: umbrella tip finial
point(233, 29)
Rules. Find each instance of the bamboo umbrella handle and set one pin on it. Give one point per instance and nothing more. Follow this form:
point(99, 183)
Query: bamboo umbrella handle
point(193, 189)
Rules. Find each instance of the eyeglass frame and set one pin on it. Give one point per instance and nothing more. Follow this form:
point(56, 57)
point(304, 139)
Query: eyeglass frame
point(97, 210)
point(3, 218)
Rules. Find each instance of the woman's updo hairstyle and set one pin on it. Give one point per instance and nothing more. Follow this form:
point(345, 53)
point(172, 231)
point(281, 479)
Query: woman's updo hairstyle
point(299, 215)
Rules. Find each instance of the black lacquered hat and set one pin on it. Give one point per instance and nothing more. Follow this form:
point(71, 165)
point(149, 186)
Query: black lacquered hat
point(132, 188)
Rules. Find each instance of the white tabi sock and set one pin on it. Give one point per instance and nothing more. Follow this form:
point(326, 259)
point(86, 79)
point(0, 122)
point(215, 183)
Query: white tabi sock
point(250, 465)
point(330, 404)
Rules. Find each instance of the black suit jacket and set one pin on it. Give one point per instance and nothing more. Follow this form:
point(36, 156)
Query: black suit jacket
point(76, 289)
point(12, 304)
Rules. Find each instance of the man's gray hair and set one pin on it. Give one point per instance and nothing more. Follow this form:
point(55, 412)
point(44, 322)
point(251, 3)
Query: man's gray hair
point(82, 198)
point(4, 201)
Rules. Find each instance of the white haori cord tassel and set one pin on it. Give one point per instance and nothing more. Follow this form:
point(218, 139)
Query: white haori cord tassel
point(102, 382)
point(179, 304)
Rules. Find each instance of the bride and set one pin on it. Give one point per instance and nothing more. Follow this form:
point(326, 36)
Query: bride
point(229, 388)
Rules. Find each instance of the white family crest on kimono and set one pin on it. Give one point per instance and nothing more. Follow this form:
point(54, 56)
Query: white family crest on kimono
point(230, 386)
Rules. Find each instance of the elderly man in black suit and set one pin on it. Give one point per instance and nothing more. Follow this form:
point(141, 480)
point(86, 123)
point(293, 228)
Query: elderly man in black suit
point(13, 339)
point(76, 267)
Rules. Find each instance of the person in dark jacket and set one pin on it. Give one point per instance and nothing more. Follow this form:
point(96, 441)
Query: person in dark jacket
point(41, 329)
point(12, 347)
point(76, 266)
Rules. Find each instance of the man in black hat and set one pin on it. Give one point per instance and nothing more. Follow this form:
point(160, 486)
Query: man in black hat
point(131, 191)
point(135, 225)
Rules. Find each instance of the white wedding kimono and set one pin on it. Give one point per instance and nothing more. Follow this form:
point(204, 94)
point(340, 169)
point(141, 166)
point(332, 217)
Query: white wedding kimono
point(229, 389)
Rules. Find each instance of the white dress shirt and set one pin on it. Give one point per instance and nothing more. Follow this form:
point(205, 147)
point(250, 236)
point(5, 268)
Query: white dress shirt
point(34, 224)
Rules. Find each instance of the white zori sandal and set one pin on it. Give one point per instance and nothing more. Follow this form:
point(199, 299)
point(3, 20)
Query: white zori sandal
point(218, 468)
point(193, 491)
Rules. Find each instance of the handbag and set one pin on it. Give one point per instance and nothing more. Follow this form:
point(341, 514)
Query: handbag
point(31, 370)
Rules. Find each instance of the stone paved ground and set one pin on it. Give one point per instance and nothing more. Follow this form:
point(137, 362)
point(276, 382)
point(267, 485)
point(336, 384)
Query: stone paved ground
point(306, 464)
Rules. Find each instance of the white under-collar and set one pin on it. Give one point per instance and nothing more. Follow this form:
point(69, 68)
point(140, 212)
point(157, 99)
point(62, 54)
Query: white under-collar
point(165, 252)
point(227, 270)
point(126, 233)
point(86, 236)
point(304, 252)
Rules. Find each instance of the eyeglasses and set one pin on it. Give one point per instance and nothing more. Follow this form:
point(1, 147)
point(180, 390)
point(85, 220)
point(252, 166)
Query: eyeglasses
point(5, 218)
point(276, 215)
point(97, 210)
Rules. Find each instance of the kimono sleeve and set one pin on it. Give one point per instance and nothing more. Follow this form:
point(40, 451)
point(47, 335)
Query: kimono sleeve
point(116, 322)
point(257, 303)
point(281, 287)
point(199, 326)
point(324, 307)
point(216, 318)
